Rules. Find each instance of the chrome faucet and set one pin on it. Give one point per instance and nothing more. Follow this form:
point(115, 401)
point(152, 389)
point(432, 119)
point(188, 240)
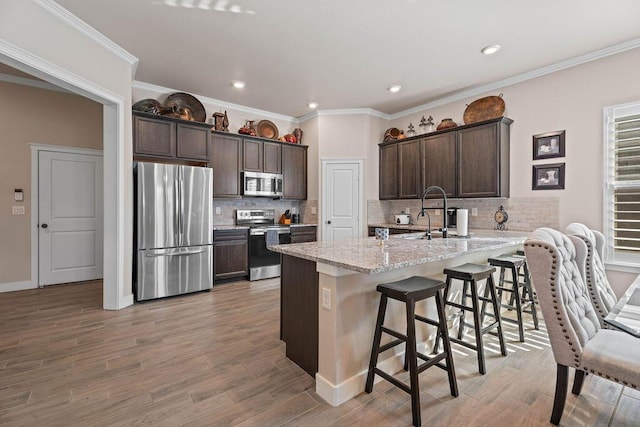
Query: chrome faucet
point(424, 212)
point(444, 210)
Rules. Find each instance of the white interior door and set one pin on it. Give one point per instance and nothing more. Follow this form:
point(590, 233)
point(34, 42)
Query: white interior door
point(70, 217)
point(342, 200)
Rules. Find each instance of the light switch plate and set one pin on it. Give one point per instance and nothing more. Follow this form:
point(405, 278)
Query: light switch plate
point(326, 298)
point(474, 211)
point(218, 210)
point(17, 210)
point(313, 210)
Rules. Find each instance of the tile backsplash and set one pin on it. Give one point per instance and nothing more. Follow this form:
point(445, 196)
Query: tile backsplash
point(525, 214)
point(227, 215)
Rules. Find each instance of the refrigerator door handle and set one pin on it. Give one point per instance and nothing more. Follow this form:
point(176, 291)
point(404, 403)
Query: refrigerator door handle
point(175, 252)
point(176, 216)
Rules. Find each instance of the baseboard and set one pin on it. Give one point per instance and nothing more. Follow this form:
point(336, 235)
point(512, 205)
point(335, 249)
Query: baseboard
point(17, 286)
point(125, 301)
point(336, 395)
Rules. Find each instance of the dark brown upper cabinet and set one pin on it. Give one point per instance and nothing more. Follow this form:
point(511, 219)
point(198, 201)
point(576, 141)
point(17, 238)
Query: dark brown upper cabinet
point(409, 177)
point(483, 160)
point(262, 156)
point(226, 161)
point(294, 171)
point(439, 163)
point(388, 177)
point(466, 161)
point(166, 138)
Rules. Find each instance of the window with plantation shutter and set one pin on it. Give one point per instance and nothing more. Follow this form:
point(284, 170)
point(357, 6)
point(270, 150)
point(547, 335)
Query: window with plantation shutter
point(622, 189)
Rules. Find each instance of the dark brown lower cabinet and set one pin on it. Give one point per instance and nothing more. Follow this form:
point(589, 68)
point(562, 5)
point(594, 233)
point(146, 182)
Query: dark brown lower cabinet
point(230, 254)
point(301, 234)
point(299, 312)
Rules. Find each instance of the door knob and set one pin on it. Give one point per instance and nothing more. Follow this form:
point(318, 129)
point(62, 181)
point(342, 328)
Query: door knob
point(329, 222)
point(44, 225)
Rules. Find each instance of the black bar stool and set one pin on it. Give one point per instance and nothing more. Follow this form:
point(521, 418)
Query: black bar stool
point(409, 291)
point(521, 299)
point(470, 274)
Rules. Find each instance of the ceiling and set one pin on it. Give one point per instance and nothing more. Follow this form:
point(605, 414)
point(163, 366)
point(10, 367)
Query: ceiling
point(346, 53)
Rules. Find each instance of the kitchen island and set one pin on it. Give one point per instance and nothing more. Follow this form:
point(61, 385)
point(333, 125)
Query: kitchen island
point(329, 300)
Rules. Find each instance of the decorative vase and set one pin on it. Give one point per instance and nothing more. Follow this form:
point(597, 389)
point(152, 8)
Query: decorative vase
point(446, 124)
point(297, 132)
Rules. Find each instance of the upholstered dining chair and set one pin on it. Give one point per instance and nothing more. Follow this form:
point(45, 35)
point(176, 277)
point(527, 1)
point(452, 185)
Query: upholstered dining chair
point(602, 296)
point(576, 337)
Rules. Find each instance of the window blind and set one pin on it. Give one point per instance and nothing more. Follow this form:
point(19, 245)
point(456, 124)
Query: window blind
point(626, 185)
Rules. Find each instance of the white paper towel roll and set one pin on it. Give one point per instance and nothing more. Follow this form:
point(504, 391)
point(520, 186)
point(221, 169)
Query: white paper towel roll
point(462, 222)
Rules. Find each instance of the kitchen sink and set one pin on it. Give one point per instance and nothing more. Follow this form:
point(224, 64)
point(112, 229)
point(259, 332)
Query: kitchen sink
point(423, 236)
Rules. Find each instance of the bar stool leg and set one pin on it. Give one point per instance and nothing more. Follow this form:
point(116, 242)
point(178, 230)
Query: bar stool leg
point(463, 301)
point(413, 362)
point(376, 344)
point(529, 289)
point(496, 311)
point(453, 384)
point(516, 294)
point(478, 329)
point(445, 330)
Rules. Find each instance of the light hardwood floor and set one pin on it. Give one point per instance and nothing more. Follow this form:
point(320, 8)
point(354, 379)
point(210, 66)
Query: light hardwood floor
point(214, 359)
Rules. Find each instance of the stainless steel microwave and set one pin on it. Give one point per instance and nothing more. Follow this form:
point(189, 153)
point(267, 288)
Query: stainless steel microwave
point(261, 184)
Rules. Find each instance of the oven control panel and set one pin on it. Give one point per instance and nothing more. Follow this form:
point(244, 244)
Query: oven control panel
point(255, 216)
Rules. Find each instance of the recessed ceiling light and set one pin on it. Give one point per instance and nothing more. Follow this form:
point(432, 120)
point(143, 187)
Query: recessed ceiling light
point(238, 84)
point(490, 50)
point(312, 105)
point(394, 88)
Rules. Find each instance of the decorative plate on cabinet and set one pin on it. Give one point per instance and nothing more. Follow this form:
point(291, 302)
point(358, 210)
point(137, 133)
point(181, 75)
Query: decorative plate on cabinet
point(190, 102)
point(267, 129)
point(487, 108)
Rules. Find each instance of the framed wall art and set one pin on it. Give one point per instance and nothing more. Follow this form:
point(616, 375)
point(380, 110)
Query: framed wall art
point(548, 145)
point(548, 177)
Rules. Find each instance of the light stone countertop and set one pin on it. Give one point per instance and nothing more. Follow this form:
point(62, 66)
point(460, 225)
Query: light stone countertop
point(367, 255)
point(230, 227)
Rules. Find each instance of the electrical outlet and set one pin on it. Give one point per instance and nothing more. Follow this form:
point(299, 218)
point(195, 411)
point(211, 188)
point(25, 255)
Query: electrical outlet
point(218, 210)
point(474, 211)
point(326, 298)
point(17, 210)
point(407, 210)
point(437, 212)
point(313, 210)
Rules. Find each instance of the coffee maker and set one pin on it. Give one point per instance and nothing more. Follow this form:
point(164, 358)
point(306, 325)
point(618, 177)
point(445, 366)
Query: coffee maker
point(452, 214)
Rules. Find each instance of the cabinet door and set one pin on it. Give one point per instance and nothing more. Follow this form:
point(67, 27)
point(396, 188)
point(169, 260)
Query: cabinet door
point(409, 179)
point(226, 161)
point(272, 157)
point(294, 172)
point(154, 137)
point(230, 259)
point(439, 163)
point(303, 234)
point(193, 142)
point(252, 157)
point(479, 161)
point(388, 176)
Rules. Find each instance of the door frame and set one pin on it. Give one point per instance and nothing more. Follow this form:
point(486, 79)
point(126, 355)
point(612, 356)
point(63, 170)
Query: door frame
point(324, 164)
point(36, 149)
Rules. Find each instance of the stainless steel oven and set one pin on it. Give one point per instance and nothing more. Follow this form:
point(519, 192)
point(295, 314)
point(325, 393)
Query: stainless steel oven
point(263, 263)
point(261, 184)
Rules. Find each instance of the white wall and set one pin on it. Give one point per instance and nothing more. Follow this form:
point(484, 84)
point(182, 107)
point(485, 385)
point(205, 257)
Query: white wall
point(572, 100)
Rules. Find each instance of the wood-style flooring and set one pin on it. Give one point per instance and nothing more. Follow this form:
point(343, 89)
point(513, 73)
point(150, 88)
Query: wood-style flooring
point(214, 359)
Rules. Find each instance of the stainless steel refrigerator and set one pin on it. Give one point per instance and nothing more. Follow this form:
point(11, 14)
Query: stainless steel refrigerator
point(174, 229)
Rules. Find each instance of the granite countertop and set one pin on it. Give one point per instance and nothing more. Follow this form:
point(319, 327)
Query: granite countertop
point(415, 227)
point(310, 224)
point(366, 255)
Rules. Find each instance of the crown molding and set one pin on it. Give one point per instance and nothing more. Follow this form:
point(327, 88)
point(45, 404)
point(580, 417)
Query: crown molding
point(559, 66)
point(24, 81)
point(78, 24)
point(161, 90)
